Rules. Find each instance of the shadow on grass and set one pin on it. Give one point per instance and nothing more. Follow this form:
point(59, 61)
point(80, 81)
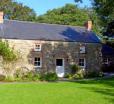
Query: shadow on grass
point(109, 82)
point(101, 86)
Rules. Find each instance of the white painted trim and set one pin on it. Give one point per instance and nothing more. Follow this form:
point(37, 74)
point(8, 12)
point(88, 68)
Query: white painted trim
point(40, 48)
point(106, 60)
point(83, 67)
point(60, 58)
point(82, 49)
point(40, 63)
point(63, 67)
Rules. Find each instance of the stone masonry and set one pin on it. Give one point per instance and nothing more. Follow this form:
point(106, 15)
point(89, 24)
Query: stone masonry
point(51, 50)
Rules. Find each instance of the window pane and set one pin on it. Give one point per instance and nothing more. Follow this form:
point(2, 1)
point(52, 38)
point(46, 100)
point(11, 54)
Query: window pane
point(38, 46)
point(59, 62)
point(37, 61)
point(81, 62)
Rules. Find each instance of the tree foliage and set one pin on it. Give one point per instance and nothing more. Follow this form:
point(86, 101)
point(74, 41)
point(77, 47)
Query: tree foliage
point(109, 34)
point(110, 30)
point(6, 52)
point(104, 10)
point(105, 15)
point(67, 15)
point(17, 11)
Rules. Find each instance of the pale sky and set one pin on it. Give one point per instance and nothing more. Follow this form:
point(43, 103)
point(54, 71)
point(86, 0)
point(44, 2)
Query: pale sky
point(41, 6)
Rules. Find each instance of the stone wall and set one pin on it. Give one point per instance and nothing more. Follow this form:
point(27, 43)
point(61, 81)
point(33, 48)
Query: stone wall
point(51, 50)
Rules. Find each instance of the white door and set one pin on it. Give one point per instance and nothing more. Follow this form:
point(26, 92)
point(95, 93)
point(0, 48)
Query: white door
point(60, 67)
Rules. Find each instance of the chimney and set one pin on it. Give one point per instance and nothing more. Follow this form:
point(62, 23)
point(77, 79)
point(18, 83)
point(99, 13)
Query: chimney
point(88, 25)
point(1, 17)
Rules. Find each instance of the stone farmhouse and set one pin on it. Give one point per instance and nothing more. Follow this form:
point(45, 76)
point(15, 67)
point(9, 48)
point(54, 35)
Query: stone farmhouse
point(52, 47)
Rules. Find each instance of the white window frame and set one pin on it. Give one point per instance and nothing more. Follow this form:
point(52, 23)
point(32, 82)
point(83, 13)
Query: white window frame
point(37, 47)
point(38, 66)
point(106, 61)
point(82, 49)
point(84, 62)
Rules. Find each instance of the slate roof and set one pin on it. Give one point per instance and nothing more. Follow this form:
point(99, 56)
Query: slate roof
point(107, 50)
point(12, 29)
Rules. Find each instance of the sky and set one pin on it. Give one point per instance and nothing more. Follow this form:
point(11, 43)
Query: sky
point(41, 6)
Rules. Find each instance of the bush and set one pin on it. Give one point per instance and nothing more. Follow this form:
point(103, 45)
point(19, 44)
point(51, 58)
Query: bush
point(74, 69)
point(94, 74)
point(108, 68)
point(26, 76)
point(67, 75)
point(18, 73)
point(78, 75)
point(6, 52)
point(2, 77)
point(50, 76)
point(9, 79)
point(31, 76)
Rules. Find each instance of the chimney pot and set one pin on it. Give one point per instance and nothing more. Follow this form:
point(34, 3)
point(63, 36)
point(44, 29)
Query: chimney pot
point(1, 17)
point(88, 25)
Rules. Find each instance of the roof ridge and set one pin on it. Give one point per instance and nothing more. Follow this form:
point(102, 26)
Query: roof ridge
point(45, 23)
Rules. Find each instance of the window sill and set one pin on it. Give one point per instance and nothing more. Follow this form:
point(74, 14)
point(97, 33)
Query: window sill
point(82, 67)
point(37, 66)
point(37, 50)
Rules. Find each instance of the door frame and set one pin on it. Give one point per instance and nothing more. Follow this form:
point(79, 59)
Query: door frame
point(63, 62)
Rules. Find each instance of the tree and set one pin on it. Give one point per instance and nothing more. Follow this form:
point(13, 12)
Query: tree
point(109, 34)
point(9, 57)
point(17, 11)
point(104, 10)
point(110, 29)
point(68, 15)
point(105, 14)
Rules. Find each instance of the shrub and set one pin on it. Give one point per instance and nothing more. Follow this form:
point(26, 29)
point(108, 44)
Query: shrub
point(9, 57)
point(6, 52)
point(93, 74)
point(2, 77)
point(50, 76)
point(26, 76)
point(78, 75)
point(108, 68)
point(9, 78)
point(67, 75)
point(74, 69)
point(18, 73)
point(31, 76)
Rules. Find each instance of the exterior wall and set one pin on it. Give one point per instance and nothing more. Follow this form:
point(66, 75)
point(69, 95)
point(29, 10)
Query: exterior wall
point(51, 50)
point(108, 63)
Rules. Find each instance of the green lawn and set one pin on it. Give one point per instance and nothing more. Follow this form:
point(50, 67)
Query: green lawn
point(81, 92)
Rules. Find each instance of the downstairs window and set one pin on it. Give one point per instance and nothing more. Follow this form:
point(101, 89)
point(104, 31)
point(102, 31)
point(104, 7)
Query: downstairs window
point(37, 62)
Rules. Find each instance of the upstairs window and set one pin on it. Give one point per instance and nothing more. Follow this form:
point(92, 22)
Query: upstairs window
point(37, 47)
point(82, 49)
point(37, 62)
point(82, 62)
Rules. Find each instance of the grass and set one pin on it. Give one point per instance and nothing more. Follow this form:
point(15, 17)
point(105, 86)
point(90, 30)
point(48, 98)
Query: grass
point(81, 92)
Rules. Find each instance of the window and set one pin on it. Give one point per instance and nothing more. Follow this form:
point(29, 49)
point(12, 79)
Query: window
point(37, 62)
point(82, 62)
point(82, 49)
point(59, 62)
point(37, 47)
point(106, 61)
